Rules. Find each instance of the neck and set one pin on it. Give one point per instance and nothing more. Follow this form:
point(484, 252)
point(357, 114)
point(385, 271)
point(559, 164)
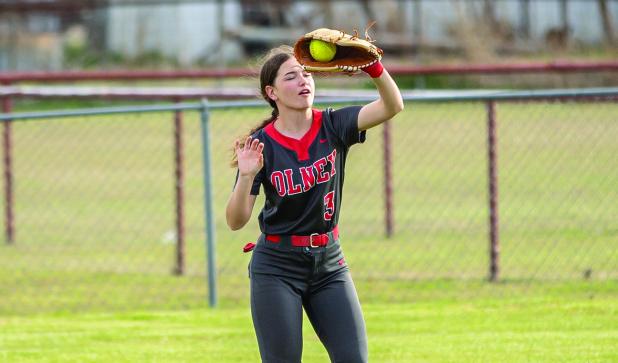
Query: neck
point(294, 123)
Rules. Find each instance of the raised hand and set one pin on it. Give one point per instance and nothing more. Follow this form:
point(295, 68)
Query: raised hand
point(250, 157)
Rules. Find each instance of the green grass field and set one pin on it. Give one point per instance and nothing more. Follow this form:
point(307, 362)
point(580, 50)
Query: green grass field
point(89, 277)
point(574, 323)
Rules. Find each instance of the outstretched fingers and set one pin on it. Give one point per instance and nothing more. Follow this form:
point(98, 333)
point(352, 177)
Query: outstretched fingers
point(247, 143)
point(254, 144)
point(249, 156)
point(249, 146)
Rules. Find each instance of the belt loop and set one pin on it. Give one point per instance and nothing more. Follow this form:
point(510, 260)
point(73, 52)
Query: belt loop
point(311, 236)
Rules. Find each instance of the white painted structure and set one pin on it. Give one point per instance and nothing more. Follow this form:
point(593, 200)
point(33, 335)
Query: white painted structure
point(213, 32)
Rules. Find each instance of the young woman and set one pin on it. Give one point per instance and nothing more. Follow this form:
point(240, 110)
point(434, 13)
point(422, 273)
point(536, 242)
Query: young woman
point(298, 157)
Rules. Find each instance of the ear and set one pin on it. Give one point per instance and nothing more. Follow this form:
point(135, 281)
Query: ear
point(270, 92)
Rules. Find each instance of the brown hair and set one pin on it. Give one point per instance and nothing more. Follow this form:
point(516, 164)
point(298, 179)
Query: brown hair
point(270, 65)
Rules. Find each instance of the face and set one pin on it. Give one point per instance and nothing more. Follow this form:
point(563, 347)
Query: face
point(293, 87)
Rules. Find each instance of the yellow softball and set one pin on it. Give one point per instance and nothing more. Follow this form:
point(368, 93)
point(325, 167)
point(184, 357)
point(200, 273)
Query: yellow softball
point(322, 51)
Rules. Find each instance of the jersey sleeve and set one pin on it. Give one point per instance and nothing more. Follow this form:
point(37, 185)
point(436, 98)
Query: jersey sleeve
point(257, 182)
point(345, 125)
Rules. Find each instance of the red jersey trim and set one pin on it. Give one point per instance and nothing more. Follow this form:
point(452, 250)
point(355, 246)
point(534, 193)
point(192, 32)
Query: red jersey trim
point(301, 147)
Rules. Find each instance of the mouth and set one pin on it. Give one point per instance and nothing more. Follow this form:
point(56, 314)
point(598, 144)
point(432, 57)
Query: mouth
point(304, 92)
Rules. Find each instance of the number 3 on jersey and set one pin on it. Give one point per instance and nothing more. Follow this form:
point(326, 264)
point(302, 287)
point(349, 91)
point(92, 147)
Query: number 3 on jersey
point(329, 204)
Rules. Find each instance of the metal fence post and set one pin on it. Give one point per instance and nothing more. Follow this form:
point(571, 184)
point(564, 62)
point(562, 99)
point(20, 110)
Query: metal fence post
point(388, 179)
point(179, 189)
point(208, 209)
point(8, 173)
point(494, 237)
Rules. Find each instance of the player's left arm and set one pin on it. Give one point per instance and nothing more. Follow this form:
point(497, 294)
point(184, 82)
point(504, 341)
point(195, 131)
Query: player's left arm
point(388, 105)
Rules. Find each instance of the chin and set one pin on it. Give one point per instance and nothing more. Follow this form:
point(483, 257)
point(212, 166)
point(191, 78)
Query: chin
point(308, 103)
point(301, 106)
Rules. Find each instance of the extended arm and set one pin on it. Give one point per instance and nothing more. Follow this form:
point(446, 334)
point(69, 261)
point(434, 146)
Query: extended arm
point(388, 105)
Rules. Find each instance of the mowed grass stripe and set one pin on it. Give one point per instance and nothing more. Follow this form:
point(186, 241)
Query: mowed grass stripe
point(539, 329)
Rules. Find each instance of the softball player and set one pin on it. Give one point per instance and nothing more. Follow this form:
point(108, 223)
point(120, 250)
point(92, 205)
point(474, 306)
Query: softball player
point(298, 157)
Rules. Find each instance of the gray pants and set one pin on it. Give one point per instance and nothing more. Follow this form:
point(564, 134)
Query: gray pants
point(286, 279)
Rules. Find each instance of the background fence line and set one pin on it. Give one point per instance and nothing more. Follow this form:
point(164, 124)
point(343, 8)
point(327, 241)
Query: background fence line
point(489, 99)
point(8, 78)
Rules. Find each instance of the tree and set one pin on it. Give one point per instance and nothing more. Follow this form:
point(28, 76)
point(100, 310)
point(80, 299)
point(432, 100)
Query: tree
point(606, 20)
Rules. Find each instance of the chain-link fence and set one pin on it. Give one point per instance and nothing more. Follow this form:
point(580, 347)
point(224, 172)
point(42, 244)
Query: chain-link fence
point(95, 207)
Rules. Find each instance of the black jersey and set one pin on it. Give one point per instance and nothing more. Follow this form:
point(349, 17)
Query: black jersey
point(303, 179)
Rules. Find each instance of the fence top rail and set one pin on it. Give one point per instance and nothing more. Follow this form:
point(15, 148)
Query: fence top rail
point(178, 94)
point(124, 93)
point(410, 96)
point(528, 67)
point(101, 111)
